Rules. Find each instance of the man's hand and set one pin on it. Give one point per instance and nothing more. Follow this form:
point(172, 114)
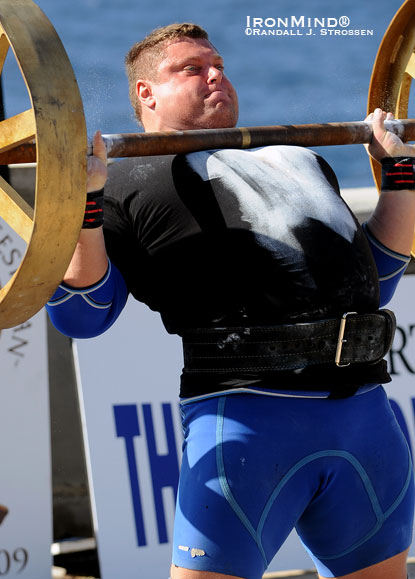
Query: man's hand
point(393, 221)
point(384, 143)
point(97, 164)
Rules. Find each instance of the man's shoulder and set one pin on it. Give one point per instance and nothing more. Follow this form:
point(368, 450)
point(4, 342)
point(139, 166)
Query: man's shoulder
point(136, 173)
point(273, 159)
point(289, 153)
point(137, 167)
point(270, 154)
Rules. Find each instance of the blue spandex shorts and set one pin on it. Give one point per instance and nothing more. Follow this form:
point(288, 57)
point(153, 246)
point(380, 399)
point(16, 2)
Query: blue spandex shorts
point(254, 467)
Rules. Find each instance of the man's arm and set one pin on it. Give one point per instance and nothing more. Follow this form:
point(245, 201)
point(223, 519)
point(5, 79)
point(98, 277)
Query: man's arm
point(90, 262)
point(93, 292)
point(392, 222)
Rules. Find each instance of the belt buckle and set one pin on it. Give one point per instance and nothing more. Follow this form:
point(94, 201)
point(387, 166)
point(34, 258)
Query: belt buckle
point(341, 341)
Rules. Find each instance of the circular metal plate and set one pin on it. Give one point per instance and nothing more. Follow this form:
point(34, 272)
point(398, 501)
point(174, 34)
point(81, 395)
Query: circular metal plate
point(56, 121)
point(393, 72)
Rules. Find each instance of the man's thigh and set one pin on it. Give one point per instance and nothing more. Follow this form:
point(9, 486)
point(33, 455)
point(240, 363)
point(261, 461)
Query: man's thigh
point(229, 472)
point(364, 510)
point(254, 467)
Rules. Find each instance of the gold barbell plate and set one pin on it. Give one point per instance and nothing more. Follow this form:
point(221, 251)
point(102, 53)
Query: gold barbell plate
point(56, 120)
point(393, 72)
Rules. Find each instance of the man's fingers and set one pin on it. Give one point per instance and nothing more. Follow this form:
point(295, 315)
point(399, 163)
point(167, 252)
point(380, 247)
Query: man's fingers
point(99, 149)
point(386, 143)
point(97, 164)
point(378, 116)
point(378, 124)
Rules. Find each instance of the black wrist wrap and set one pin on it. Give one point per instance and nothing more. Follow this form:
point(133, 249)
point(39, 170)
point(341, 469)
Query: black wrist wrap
point(94, 210)
point(398, 173)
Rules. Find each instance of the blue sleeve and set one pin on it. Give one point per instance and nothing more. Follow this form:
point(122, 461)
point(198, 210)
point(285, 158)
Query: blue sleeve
point(88, 312)
point(390, 265)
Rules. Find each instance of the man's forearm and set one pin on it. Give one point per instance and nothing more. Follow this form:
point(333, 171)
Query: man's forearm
point(393, 220)
point(89, 262)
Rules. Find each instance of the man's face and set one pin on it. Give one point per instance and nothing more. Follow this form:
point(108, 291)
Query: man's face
point(191, 90)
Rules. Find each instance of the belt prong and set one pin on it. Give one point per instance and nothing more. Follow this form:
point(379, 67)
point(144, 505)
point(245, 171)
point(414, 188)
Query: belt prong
point(340, 340)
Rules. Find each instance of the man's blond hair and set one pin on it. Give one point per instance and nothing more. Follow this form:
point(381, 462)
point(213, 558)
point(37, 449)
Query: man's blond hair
point(144, 57)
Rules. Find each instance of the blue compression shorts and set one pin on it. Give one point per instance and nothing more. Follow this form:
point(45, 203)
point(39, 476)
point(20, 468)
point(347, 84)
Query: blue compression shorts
point(254, 467)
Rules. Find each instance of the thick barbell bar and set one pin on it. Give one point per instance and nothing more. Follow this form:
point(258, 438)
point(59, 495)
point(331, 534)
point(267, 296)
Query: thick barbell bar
point(310, 135)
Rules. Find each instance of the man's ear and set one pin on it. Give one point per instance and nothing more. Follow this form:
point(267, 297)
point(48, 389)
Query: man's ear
point(144, 91)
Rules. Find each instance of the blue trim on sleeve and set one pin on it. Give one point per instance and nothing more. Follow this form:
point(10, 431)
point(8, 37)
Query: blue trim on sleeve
point(390, 265)
point(88, 312)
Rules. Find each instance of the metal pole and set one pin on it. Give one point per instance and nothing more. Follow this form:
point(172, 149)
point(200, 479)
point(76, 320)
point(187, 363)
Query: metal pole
point(4, 170)
point(313, 135)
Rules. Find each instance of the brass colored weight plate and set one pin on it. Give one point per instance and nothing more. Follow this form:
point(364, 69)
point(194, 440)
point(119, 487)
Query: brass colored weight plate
point(393, 72)
point(56, 120)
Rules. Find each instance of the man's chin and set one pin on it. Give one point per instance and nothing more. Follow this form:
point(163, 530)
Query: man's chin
point(221, 119)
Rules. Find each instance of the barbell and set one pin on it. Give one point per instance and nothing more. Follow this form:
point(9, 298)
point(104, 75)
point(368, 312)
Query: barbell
point(52, 133)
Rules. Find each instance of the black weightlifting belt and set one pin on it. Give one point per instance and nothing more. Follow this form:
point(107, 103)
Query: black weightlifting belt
point(352, 339)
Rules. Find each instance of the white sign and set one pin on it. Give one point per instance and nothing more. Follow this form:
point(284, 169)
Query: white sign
point(401, 363)
point(25, 479)
point(129, 391)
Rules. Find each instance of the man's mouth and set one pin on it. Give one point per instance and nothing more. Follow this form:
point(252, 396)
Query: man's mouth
point(218, 94)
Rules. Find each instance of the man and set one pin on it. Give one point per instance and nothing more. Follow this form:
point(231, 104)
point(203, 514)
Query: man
point(253, 258)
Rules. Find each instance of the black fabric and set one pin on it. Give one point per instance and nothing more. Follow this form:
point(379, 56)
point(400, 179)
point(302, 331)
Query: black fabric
point(94, 210)
point(181, 235)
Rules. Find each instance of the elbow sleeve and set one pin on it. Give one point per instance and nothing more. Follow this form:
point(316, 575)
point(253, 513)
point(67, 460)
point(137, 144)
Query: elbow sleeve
point(88, 312)
point(390, 265)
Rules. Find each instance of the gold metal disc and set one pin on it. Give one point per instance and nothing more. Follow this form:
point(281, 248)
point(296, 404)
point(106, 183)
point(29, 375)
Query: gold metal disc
point(56, 120)
point(393, 72)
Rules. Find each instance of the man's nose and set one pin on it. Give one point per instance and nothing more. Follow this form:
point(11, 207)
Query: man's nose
point(215, 75)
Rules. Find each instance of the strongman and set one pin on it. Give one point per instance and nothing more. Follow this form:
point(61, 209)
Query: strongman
point(255, 260)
